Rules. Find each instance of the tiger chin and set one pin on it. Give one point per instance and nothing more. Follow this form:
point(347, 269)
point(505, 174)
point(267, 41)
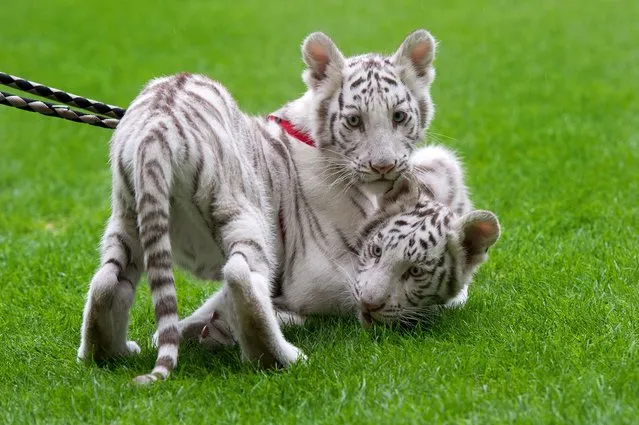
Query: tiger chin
point(419, 252)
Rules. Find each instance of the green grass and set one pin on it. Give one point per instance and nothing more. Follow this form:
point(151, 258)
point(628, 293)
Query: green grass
point(542, 100)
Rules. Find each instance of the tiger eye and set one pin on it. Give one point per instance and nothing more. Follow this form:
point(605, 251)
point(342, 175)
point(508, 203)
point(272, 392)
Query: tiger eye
point(415, 271)
point(354, 120)
point(399, 117)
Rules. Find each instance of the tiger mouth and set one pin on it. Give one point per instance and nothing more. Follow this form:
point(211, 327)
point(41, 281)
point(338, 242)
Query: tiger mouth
point(366, 319)
point(367, 178)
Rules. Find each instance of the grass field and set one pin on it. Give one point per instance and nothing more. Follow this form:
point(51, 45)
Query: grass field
point(541, 99)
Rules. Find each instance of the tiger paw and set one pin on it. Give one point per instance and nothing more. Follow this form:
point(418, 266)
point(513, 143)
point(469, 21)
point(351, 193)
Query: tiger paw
point(133, 348)
point(88, 353)
point(216, 334)
point(288, 354)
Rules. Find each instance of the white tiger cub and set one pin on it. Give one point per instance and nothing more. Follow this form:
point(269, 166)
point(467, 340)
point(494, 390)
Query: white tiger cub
point(419, 250)
point(423, 245)
point(198, 183)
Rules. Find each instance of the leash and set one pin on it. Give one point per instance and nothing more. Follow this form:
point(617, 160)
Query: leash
point(103, 115)
point(58, 111)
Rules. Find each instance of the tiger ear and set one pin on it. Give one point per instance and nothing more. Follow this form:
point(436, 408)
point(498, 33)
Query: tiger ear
point(478, 231)
point(416, 55)
point(323, 59)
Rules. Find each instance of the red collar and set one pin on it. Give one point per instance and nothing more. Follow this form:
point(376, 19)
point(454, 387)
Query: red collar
point(302, 137)
point(292, 131)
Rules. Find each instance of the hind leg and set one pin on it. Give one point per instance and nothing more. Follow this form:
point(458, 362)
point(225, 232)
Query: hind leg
point(253, 319)
point(247, 273)
point(106, 312)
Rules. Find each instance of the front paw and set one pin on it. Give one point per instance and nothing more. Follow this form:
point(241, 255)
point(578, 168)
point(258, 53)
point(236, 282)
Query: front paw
point(459, 300)
point(87, 352)
point(133, 349)
point(84, 354)
point(288, 354)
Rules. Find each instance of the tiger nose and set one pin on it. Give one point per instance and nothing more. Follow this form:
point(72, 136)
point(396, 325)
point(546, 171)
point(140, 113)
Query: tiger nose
point(382, 167)
point(371, 307)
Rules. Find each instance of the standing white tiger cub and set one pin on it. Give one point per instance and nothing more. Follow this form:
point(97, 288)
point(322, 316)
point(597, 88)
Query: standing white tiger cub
point(199, 183)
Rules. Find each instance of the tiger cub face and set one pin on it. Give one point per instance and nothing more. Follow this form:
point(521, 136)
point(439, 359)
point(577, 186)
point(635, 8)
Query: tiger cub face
point(369, 110)
point(415, 254)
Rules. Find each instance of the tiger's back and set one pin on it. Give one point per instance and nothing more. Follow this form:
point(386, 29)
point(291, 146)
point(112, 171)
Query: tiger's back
point(199, 128)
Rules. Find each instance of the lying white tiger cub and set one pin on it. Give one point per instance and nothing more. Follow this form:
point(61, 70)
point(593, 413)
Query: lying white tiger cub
point(418, 251)
point(423, 245)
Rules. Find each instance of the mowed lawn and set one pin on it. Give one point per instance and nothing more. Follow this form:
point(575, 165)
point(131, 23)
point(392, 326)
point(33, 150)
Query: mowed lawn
point(540, 98)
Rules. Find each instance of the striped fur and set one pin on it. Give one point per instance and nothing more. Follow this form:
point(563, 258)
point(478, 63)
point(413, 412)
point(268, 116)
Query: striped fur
point(199, 184)
point(424, 244)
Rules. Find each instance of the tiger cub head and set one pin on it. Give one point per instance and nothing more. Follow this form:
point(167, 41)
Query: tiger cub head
point(416, 253)
point(369, 111)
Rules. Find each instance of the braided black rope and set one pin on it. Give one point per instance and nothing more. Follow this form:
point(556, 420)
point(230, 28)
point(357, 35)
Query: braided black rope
point(58, 111)
point(61, 96)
